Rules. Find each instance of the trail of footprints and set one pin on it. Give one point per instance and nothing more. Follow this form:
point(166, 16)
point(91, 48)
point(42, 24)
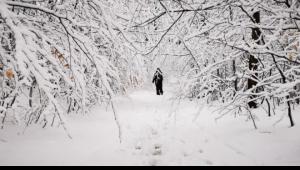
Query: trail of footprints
point(155, 154)
point(150, 149)
point(153, 151)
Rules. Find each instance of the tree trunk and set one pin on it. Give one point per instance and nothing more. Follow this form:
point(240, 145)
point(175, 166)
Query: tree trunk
point(288, 97)
point(235, 82)
point(253, 61)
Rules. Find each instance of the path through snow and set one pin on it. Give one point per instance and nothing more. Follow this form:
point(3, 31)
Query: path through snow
point(155, 131)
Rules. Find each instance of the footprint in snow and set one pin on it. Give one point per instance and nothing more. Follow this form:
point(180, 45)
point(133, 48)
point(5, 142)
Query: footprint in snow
point(154, 132)
point(138, 146)
point(186, 154)
point(157, 146)
point(157, 150)
point(3, 141)
point(208, 162)
point(153, 162)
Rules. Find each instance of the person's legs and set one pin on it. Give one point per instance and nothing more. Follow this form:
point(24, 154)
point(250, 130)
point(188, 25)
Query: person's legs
point(161, 92)
point(157, 90)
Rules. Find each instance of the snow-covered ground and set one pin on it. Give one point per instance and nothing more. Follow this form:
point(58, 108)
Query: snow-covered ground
point(155, 131)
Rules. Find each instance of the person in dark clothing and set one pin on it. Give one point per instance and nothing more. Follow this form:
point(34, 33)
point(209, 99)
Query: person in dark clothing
point(158, 81)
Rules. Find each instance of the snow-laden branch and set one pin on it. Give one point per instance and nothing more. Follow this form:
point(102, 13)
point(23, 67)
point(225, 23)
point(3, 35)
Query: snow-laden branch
point(35, 7)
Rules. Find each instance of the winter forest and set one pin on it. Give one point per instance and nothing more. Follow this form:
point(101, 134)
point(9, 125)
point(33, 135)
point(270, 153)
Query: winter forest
point(76, 82)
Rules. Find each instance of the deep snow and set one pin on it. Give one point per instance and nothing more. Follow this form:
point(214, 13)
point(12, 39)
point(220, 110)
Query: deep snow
point(155, 131)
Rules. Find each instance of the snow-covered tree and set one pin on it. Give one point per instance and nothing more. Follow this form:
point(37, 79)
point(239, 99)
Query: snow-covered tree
point(243, 54)
point(58, 57)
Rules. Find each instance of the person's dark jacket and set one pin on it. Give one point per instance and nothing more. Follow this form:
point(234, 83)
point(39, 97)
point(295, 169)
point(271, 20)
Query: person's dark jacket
point(158, 81)
point(158, 78)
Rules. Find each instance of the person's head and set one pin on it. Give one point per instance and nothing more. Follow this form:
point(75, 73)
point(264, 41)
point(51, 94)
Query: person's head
point(159, 70)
